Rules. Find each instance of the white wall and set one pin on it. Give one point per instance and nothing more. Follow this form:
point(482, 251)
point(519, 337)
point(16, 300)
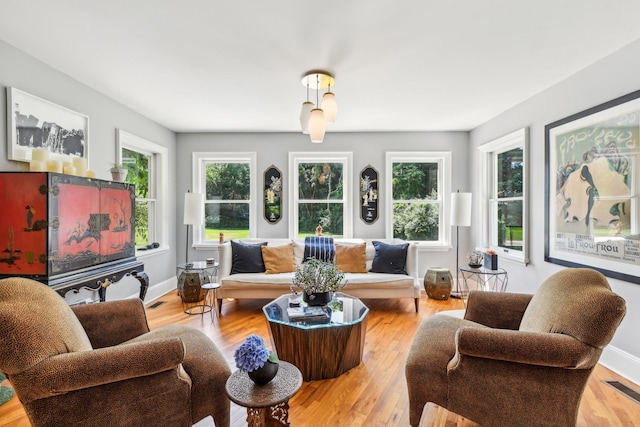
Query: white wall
point(23, 72)
point(367, 148)
point(610, 78)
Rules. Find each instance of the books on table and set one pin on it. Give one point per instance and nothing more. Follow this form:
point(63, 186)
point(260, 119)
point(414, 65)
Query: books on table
point(307, 312)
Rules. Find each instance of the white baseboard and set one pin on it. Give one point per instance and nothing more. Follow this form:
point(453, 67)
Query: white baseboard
point(621, 363)
point(159, 289)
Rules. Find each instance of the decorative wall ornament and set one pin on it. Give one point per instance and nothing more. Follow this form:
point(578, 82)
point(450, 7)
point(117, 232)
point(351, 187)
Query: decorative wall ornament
point(272, 194)
point(592, 216)
point(369, 195)
point(35, 124)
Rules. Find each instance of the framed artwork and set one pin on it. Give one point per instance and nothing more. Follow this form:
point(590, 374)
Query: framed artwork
point(34, 123)
point(272, 194)
point(592, 183)
point(369, 195)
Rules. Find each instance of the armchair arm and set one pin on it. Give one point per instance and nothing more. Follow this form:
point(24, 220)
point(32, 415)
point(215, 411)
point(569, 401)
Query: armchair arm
point(533, 348)
point(503, 310)
point(79, 370)
point(113, 322)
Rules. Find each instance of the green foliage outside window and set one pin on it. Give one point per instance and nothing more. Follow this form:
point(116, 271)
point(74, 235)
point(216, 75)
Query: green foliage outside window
point(414, 187)
point(137, 165)
point(318, 182)
point(227, 195)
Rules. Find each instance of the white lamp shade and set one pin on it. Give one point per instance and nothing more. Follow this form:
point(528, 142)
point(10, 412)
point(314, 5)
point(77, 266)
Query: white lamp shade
point(461, 209)
point(305, 114)
point(330, 107)
point(193, 208)
point(317, 125)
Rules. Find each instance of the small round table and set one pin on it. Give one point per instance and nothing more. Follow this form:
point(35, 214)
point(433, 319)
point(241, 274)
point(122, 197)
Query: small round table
point(211, 298)
point(191, 278)
point(267, 405)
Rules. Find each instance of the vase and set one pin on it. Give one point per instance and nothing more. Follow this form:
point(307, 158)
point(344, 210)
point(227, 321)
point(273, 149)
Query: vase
point(319, 298)
point(264, 375)
point(437, 283)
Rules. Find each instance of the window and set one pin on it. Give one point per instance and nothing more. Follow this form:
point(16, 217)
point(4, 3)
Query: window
point(503, 171)
point(147, 167)
point(320, 194)
point(228, 182)
point(417, 184)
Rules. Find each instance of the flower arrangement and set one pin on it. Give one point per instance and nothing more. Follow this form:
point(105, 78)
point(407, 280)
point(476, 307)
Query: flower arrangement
point(253, 354)
point(316, 276)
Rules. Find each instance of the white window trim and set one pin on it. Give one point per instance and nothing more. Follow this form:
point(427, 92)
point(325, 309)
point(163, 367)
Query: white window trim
point(346, 158)
point(199, 186)
point(486, 179)
point(160, 179)
point(443, 159)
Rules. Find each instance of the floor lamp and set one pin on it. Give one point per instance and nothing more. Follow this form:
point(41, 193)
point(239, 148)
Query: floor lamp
point(460, 217)
point(193, 214)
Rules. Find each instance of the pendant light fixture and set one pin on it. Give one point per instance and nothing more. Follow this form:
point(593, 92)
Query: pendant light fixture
point(317, 117)
point(305, 112)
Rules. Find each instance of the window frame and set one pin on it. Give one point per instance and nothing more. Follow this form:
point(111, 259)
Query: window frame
point(443, 159)
point(158, 183)
point(346, 158)
point(199, 161)
point(488, 180)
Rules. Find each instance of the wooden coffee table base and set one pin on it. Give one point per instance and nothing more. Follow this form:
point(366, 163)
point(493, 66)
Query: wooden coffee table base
point(273, 416)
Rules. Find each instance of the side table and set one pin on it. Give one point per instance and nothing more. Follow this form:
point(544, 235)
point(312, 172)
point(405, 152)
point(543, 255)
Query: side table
point(483, 279)
point(211, 298)
point(267, 405)
point(191, 278)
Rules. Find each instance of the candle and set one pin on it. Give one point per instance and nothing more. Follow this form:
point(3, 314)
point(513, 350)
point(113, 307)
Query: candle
point(69, 170)
point(40, 155)
point(55, 166)
point(80, 164)
point(36, 166)
point(90, 174)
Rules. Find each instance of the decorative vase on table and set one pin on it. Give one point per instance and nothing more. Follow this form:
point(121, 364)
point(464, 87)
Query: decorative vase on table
point(264, 375)
point(437, 283)
point(319, 298)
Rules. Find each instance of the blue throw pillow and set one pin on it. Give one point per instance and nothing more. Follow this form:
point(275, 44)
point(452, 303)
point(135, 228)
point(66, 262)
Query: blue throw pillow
point(319, 247)
point(247, 258)
point(389, 258)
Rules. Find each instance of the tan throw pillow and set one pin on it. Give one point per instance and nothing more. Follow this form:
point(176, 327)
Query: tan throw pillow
point(351, 258)
point(278, 259)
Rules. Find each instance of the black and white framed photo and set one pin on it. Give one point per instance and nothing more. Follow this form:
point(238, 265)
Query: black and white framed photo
point(35, 123)
point(592, 211)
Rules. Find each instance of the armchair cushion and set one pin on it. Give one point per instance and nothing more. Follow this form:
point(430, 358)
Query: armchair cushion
point(502, 310)
point(578, 290)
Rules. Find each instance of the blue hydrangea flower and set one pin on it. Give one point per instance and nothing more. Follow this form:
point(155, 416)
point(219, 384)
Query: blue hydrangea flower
point(252, 354)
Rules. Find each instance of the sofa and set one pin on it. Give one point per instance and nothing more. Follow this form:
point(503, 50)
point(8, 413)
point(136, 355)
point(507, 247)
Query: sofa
point(365, 262)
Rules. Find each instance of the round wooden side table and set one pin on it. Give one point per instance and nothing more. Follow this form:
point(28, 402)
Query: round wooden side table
point(267, 405)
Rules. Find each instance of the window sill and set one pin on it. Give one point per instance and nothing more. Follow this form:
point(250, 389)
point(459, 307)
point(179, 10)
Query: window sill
point(151, 252)
point(432, 248)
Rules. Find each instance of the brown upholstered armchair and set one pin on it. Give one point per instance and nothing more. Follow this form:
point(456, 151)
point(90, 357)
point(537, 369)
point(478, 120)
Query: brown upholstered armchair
point(516, 359)
point(99, 365)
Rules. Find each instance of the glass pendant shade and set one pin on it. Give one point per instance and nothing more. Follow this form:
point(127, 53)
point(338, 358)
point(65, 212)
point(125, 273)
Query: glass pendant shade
point(317, 125)
point(305, 114)
point(330, 107)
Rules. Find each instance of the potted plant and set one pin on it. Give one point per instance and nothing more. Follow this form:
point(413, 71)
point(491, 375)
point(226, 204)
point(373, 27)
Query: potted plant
point(256, 360)
point(317, 279)
point(118, 172)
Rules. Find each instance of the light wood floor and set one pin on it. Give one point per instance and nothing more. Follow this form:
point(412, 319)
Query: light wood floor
point(375, 392)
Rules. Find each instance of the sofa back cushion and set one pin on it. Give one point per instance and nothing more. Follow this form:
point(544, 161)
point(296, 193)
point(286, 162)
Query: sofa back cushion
point(278, 259)
point(389, 258)
point(247, 258)
point(577, 302)
point(35, 324)
point(351, 257)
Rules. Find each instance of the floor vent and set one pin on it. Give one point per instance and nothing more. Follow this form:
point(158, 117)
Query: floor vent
point(157, 304)
point(627, 391)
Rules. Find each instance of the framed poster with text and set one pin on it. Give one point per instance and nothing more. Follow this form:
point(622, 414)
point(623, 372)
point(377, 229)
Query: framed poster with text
point(592, 183)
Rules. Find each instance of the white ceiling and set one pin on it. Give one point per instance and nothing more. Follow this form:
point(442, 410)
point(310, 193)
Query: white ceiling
point(210, 65)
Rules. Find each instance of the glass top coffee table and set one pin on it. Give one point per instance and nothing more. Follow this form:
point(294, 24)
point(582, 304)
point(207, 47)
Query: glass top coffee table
point(322, 346)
